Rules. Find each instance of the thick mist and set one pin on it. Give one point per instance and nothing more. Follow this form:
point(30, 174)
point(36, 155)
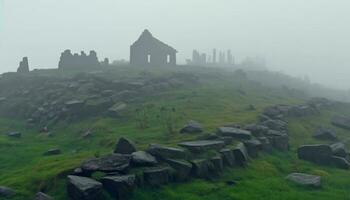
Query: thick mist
point(301, 38)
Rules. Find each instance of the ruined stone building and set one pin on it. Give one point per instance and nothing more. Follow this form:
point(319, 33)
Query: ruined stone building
point(148, 50)
point(23, 66)
point(75, 61)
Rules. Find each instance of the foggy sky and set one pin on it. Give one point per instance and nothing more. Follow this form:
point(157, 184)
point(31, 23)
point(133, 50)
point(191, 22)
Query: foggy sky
point(298, 37)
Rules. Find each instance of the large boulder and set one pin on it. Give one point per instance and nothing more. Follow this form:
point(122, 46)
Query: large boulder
point(120, 187)
point(124, 146)
point(217, 164)
point(182, 169)
point(228, 157)
point(82, 188)
point(163, 152)
point(339, 150)
point(319, 153)
point(109, 163)
point(192, 127)
point(325, 134)
point(157, 176)
point(305, 179)
point(202, 145)
point(341, 121)
point(241, 154)
point(6, 192)
point(279, 140)
point(42, 196)
point(235, 133)
point(257, 130)
point(253, 147)
point(340, 162)
point(277, 125)
point(142, 158)
point(201, 168)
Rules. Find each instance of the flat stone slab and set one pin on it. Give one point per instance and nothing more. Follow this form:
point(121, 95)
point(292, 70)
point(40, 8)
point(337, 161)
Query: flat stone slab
point(235, 133)
point(109, 163)
point(202, 145)
point(341, 121)
point(305, 179)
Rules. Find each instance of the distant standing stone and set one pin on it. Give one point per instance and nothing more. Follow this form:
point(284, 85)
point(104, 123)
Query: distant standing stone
point(82, 188)
point(192, 127)
point(125, 146)
point(305, 179)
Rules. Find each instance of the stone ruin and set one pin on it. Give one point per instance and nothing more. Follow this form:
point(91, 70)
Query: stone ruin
point(23, 66)
point(80, 61)
point(202, 59)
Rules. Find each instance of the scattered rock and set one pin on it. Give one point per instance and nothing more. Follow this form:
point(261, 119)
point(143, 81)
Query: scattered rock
point(325, 134)
point(116, 109)
point(235, 133)
point(279, 140)
point(109, 163)
point(157, 176)
point(120, 187)
point(202, 145)
point(125, 146)
point(14, 134)
point(82, 188)
point(42, 196)
point(341, 121)
point(192, 127)
point(277, 125)
point(52, 152)
point(339, 149)
point(142, 158)
point(320, 153)
point(305, 179)
point(6, 192)
point(340, 162)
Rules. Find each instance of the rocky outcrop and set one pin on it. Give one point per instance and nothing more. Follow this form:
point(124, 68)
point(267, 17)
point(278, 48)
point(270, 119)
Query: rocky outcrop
point(323, 133)
point(235, 133)
point(202, 145)
point(109, 163)
point(305, 179)
point(182, 169)
point(163, 152)
point(82, 188)
point(157, 176)
point(192, 127)
point(341, 121)
point(120, 187)
point(241, 154)
point(125, 146)
point(142, 158)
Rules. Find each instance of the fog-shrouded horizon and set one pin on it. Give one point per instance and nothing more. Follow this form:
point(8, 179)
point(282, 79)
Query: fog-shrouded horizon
point(301, 38)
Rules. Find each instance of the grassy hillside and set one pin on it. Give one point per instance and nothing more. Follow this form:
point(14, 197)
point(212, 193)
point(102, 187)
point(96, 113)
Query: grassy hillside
point(217, 99)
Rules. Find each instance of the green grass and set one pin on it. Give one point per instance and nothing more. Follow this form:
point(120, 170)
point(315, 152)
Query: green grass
point(219, 99)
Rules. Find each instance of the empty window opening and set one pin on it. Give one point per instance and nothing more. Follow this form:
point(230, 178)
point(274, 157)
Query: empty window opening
point(148, 58)
point(168, 58)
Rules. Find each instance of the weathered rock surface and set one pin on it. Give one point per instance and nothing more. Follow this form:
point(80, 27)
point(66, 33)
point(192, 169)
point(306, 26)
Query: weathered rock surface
point(325, 134)
point(228, 157)
point(340, 162)
point(241, 154)
point(52, 152)
point(163, 152)
point(338, 149)
point(217, 165)
point(42, 196)
point(201, 168)
point(157, 176)
point(305, 179)
point(235, 133)
point(256, 129)
point(109, 163)
point(14, 134)
point(253, 147)
point(192, 127)
point(142, 158)
point(125, 146)
point(182, 169)
point(320, 154)
point(6, 192)
point(202, 145)
point(120, 187)
point(82, 188)
point(277, 125)
point(341, 121)
point(279, 140)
